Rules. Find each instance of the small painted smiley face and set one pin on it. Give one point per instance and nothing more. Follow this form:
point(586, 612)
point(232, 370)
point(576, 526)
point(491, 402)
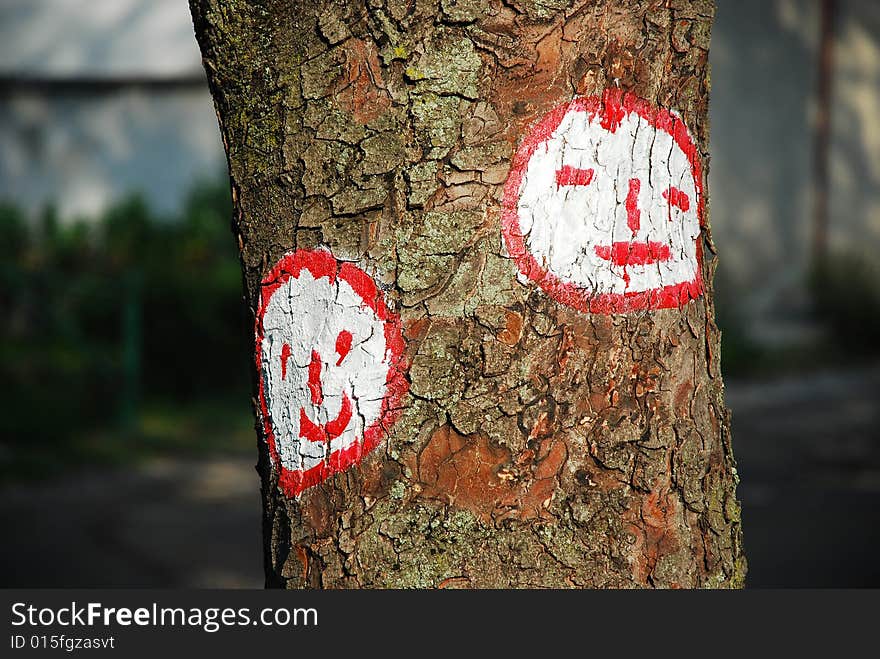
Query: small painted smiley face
point(329, 354)
point(603, 206)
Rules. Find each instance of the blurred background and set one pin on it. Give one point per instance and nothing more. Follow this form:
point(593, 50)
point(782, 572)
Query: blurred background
point(119, 467)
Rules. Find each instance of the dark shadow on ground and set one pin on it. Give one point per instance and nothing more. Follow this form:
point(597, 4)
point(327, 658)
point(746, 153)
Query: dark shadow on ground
point(808, 451)
point(171, 524)
point(808, 454)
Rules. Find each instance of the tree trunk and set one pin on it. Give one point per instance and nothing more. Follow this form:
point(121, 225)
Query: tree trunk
point(475, 245)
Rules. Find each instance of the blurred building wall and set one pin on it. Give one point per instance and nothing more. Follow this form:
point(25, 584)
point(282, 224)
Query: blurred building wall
point(855, 156)
point(99, 99)
point(764, 80)
point(83, 149)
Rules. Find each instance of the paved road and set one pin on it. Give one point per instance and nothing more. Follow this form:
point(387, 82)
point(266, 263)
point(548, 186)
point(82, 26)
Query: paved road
point(170, 524)
point(808, 451)
point(809, 457)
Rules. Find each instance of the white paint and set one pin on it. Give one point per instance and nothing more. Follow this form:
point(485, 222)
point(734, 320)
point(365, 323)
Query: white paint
point(563, 225)
point(309, 314)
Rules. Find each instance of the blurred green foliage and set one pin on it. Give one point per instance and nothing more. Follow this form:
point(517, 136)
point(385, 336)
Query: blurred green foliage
point(844, 305)
point(740, 354)
point(846, 291)
point(124, 336)
point(64, 292)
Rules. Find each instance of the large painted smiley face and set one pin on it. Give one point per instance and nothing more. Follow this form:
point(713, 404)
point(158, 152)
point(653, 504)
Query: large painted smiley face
point(329, 354)
point(603, 206)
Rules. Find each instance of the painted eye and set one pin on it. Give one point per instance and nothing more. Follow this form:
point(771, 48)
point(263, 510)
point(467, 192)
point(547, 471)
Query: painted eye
point(677, 198)
point(343, 345)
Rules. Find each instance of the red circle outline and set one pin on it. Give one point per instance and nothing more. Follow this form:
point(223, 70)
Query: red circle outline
point(321, 263)
point(612, 106)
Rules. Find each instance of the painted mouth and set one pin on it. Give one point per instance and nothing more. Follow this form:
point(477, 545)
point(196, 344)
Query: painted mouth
point(625, 253)
point(329, 431)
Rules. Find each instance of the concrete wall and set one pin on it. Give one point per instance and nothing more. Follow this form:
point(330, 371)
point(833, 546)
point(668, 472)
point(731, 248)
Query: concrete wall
point(83, 151)
point(764, 78)
point(73, 131)
point(99, 37)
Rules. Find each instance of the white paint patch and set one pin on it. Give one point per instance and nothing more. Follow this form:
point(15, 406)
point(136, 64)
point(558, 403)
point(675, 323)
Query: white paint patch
point(565, 224)
point(309, 315)
point(607, 210)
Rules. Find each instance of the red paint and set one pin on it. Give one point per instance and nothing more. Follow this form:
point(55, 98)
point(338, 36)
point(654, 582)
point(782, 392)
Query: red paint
point(343, 345)
point(623, 253)
point(614, 110)
point(569, 175)
point(633, 214)
point(285, 355)
point(315, 378)
point(321, 263)
point(329, 431)
point(677, 198)
point(612, 106)
point(308, 429)
point(340, 423)
point(364, 286)
point(332, 429)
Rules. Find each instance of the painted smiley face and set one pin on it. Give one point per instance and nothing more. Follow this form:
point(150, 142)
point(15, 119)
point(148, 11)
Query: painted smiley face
point(603, 206)
point(328, 351)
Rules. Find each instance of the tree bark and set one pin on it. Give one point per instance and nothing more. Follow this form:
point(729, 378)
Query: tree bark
point(538, 438)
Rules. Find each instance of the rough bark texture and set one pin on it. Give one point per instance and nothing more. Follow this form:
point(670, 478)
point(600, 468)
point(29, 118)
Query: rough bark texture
point(539, 445)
